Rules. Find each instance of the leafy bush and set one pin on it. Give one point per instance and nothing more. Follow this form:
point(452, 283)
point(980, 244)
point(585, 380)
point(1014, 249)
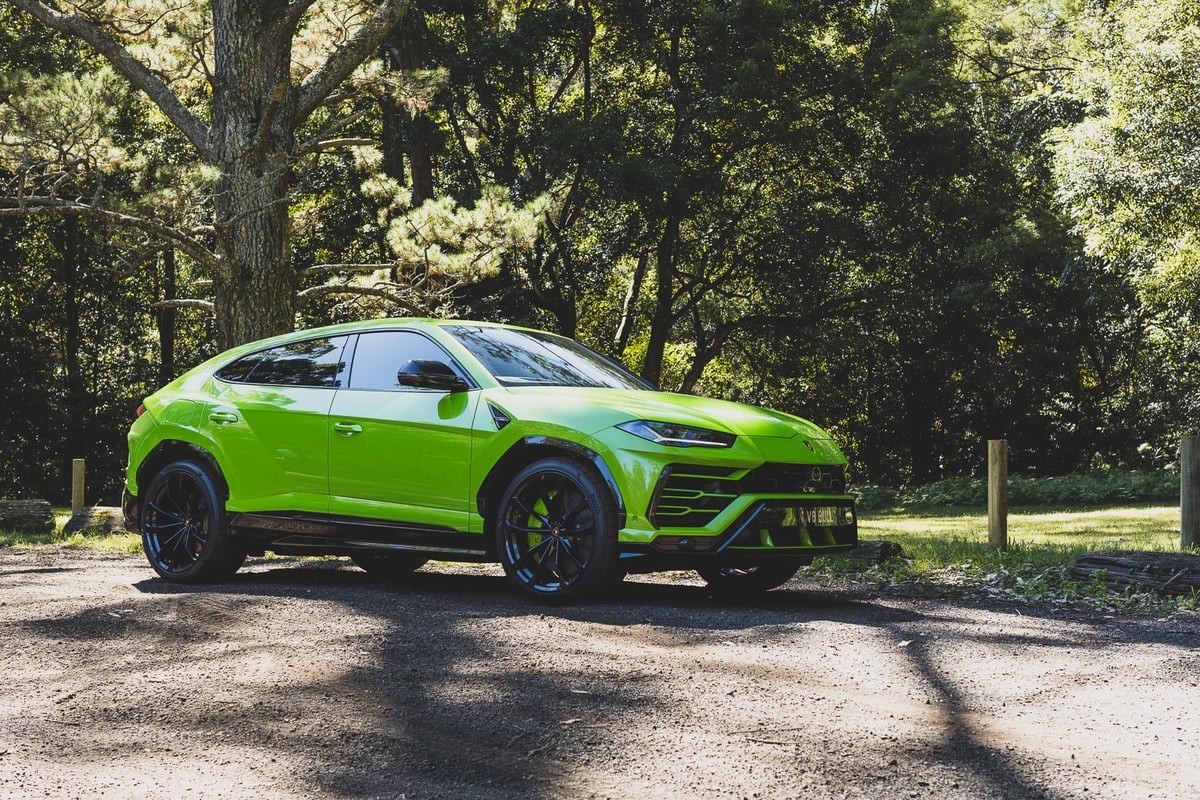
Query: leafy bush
point(872, 497)
point(1096, 488)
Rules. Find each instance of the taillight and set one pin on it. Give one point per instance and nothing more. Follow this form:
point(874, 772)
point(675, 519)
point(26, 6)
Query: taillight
point(141, 410)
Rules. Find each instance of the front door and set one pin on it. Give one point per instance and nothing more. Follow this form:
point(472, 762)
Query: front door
point(399, 453)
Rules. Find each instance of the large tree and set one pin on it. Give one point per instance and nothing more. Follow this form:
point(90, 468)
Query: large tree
point(239, 80)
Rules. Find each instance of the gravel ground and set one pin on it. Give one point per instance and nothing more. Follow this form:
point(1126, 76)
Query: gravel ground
point(307, 679)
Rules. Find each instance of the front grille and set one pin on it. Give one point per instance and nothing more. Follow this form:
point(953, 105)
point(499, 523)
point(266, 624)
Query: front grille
point(804, 523)
point(800, 527)
point(795, 479)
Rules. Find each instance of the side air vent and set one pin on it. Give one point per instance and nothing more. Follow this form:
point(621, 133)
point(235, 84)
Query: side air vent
point(690, 496)
point(499, 417)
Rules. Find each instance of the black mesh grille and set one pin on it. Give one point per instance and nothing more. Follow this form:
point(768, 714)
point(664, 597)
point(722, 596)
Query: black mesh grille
point(794, 479)
point(800, 523)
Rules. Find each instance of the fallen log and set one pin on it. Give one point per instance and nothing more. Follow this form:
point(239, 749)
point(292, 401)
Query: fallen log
point(26, 516)
point(1169, 573)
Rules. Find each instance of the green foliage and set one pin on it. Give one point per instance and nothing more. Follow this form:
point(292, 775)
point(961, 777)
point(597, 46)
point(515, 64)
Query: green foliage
point(921, 223)
point(1068, 491)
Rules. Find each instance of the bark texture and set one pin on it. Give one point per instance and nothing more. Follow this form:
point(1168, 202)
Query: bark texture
point(253, 133)
point(257, 111)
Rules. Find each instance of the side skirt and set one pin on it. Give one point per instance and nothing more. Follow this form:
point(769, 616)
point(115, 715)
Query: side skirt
point(310, 534)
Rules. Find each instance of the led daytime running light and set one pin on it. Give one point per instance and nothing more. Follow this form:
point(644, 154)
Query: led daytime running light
point(672, 434)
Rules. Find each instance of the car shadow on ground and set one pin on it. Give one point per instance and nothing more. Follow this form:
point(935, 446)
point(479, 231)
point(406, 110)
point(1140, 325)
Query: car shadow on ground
point(435, 682)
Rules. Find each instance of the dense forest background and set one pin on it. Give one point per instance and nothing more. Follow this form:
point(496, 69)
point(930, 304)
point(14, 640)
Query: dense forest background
point(920, 223)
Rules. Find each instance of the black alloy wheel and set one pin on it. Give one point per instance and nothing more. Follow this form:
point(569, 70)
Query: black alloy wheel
point(556, 531)
point(183, 526)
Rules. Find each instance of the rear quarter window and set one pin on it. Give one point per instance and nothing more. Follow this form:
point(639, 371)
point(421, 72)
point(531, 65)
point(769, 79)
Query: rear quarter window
point(315, 362)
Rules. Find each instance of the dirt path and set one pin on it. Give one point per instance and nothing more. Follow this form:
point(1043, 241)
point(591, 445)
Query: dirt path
point(308, 680)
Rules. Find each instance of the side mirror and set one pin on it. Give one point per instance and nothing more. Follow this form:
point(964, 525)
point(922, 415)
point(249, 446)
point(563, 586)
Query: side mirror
point(422, 374)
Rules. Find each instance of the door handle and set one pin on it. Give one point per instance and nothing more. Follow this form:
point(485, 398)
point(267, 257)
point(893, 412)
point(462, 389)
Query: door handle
point(347, 428)
point(222, 417)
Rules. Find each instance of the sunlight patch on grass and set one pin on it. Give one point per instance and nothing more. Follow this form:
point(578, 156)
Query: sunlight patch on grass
point(117, 542)
point(1061, 532)
point(949, 555)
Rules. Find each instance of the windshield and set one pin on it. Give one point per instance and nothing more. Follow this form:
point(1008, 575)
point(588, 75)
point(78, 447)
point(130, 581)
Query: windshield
point(534, 358)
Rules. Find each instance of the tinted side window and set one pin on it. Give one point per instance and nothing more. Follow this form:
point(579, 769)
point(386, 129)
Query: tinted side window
point(517, 357)
point(316, 362)
point(379, 355)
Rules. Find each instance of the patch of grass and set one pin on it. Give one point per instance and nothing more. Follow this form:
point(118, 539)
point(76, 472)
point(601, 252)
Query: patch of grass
point(1055, 535)
point(947, 554)
point(119, 542)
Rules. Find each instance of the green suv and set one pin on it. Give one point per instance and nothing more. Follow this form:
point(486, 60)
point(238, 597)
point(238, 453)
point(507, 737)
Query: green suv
point(398, 441)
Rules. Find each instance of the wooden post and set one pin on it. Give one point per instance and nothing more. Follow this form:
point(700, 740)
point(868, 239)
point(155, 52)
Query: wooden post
point(1189, 492)
point(76, 485)
point(998, 493)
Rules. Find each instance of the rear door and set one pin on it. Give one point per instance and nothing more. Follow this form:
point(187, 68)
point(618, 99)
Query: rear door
point(270, 428)
point(398, 453)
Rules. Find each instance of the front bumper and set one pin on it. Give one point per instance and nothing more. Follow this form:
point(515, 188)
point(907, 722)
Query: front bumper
point(770, 529)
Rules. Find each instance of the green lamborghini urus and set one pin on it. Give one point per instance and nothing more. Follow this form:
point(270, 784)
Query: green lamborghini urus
point(395, 442)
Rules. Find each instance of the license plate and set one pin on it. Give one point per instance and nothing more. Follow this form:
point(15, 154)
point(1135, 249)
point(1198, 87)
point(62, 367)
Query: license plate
point(821, 515)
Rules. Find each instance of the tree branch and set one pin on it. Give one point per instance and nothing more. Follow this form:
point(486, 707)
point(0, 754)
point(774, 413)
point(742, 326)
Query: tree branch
point(325, 269)
point(52, 206)
point(325, 290)
point(337, 68)
point(332, 144)
point(203, 305)
point(291, 15)
point(133, 70)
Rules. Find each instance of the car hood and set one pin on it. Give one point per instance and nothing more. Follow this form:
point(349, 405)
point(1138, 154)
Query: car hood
point(606, 407)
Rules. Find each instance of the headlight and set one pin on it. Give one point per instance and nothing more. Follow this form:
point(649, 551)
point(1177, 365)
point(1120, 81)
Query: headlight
point(673, 435)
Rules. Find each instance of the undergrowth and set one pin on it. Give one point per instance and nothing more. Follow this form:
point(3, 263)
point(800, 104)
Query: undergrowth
point(1109, 487)
point(1032, 572)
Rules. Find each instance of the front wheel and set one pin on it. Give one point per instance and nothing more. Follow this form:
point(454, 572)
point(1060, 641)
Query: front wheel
point(183, 526)
point(749, 580)
point(556, 531)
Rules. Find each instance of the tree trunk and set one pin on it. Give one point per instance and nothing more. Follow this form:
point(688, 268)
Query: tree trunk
point(629, 307)
point(166, 320)
point(664, 299)
point(256, 111)
point(253, 132)
point(406, 133)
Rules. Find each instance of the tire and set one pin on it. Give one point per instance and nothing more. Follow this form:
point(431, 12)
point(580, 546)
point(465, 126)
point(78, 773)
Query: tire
point(183, 526)
point(388, 565)
point(749, 580)
point(556, 531)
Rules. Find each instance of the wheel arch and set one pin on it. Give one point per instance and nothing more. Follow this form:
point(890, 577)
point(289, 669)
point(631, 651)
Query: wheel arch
point(523, 453)
point(171, 450)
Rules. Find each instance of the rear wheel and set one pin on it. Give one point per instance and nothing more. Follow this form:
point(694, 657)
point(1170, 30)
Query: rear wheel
point(556, 531)
point(183, 526)
point(389, 565)
point(749, 580)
